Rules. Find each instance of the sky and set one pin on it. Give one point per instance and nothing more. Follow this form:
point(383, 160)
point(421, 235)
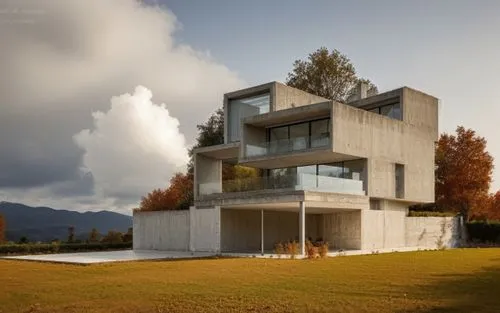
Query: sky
point(99, 100)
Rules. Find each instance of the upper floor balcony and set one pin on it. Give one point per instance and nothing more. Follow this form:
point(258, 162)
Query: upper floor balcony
point(302, 181)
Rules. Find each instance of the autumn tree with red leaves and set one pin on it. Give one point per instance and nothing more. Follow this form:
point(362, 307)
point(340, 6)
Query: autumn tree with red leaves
point(463, 173)
point(493, 209)
point(177, 196)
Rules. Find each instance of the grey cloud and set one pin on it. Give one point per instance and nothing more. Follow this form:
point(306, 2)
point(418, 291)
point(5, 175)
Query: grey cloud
point(67, 63)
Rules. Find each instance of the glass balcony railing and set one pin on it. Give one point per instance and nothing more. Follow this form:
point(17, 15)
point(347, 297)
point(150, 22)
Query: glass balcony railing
point(287, 145)
point(308, 182)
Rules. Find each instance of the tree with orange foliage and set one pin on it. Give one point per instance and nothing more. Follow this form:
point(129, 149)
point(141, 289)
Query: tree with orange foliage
point(463, 173)
point(493, 212)
point(177, 196)
point(2, 229)
point(181, 189)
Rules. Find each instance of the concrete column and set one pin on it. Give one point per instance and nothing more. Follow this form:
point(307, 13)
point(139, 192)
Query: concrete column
point(262, 232)
point(218, 229)
point(302, 228)
point(192, 212)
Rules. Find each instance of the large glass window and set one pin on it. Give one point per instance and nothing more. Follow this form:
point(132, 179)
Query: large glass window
point(299, 136)
point(278, 139)
point(320, 133)
point(331, 170)
point(354, 169)
point(244, 107)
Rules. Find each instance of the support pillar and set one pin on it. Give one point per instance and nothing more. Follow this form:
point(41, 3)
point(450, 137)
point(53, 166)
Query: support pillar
point(262, 232)
point(302, 228)
point(192, 219)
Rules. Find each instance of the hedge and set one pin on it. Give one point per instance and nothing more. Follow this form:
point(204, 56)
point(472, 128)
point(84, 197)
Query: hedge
point(45, 248)
point(484, 232)
point(430, 214)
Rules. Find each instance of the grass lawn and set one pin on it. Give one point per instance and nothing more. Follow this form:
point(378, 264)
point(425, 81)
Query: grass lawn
point(462, 280)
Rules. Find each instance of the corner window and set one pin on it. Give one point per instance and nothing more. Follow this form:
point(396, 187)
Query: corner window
point(245, 107)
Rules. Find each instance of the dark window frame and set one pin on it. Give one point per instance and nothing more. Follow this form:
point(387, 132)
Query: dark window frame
point(379, 110)
point(309, 122)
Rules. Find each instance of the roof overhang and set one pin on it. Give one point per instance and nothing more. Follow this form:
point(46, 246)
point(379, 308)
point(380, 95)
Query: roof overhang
point(293, 115)
point(220, 152)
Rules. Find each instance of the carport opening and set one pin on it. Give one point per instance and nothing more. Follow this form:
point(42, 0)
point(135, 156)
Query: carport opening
point(241, 230)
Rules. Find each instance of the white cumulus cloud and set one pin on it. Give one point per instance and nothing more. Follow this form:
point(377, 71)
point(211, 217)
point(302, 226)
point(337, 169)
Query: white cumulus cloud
point(63, 60)
point(134, 147)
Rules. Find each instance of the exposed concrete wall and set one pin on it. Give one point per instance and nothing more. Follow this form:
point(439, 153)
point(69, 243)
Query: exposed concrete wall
point(162, 230)
point(240, 230)
point(280, 227)
point(286, 97)
point(421, 110)
point(205, 229)
point(392, 229)
point(385, 142)
point(207, 171)
point(252, 141)
point(382, 229)
point(431, 232)
point(342, 230)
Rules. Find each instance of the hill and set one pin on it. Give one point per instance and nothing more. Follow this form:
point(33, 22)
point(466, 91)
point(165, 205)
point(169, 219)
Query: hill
point(45, 224)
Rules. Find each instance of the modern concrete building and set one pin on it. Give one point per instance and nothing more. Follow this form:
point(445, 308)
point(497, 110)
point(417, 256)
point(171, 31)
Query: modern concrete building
point(344, 173)
point(310, 168)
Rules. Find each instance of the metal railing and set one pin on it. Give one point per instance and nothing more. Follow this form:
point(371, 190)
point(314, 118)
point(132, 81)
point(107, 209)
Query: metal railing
point(287, 145)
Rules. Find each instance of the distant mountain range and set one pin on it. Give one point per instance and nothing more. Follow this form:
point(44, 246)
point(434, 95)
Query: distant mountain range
point(46, 224)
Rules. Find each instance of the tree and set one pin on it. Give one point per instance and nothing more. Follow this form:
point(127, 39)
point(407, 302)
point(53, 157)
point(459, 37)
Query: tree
point(181, 190)
point(494, 208)
point(71, 234)
point(94, 235)
point(327, 74)
point(463, 172)
point(156, 200)
point(2, 229)
point(128, 237)
point(23, 240)
point(209, 134)
point(178, 196)
point(113, 237)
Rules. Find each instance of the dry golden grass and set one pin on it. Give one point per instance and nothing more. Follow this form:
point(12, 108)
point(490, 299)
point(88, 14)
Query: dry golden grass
point(466, 280)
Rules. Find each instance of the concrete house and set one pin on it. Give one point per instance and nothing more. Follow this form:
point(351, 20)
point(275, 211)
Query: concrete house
point(344, 173)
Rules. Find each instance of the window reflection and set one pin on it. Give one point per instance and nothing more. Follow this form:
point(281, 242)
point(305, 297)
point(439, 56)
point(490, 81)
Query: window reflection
point(245, 107)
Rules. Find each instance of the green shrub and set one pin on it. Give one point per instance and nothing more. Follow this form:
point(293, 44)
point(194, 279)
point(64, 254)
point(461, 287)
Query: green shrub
point(484, 231)
point(46, 248)
point(430, 214)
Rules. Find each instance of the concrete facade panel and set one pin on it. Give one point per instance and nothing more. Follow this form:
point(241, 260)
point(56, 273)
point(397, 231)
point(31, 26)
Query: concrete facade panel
point(205, 224)
point(342, 230)
point(385, 142)
point(286, 97)
point(432, 232)
point(162, 230)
